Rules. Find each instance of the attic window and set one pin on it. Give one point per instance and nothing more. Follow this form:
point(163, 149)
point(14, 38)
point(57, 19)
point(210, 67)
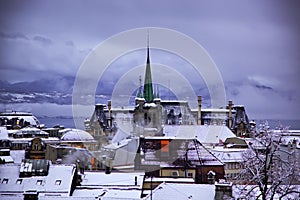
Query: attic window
point(57, 182)
point(5, 181)
point(19, 181)
point(39, 182)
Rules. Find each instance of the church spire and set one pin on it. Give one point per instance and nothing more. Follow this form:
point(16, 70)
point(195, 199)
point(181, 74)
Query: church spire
point(148, 88)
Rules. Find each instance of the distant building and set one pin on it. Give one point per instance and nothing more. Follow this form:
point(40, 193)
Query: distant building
point(232, 158)
point(5, 156)
point(17, 120)
point(170, 191)
point(21, 139)
point(5, 143)
point(173, 157)
point(116, 185)
point(241, 125)
point(66, 154)
point(34, 179)
point(36, 149)
point(78, 138)
point(150, 114)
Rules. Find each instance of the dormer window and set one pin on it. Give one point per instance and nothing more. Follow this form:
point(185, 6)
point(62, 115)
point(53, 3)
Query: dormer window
point(19, 181)
point(57, 182)
point(39, 182)
point(5, 181)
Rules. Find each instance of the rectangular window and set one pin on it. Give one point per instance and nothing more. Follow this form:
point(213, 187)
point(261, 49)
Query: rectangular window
point(190, 174)
point(175, 173)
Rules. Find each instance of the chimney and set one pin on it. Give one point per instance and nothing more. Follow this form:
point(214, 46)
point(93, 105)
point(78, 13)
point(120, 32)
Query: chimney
point(199, 110)
point(109, 113)
point(223, 190)
point(108, 165)
point(230, 114)
point(135, 180)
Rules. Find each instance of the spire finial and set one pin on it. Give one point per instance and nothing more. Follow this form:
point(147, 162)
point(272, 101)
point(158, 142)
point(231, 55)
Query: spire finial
point(148, 56)
point(148, 88)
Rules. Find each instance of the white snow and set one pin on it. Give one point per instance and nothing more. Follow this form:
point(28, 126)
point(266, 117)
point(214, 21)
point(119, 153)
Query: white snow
point(171, 191)
point(3, 133)
point(209, 134)
point(43, 184)
point(115, 185)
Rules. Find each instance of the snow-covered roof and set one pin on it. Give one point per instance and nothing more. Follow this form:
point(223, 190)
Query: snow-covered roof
point(5, 156)
point(21, 115)
point(115, 185)
point(109, 194)
point(228, 155)
point(172, 191)
point(114, 179)
point(76, 135)
point(58, 181)
point(216, 110)
point(150, 105)
point(197, 154)
point(174, 101)
point(120, 135)
point(285, 140)
point(170, 180)
point(204, 133)
point(49, 140)
point(17, 155)
point(32, 131)
point(123, 153)
point(3, 133)
point(252, 192)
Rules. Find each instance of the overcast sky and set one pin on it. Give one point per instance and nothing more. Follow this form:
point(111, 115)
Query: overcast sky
point(255, 45)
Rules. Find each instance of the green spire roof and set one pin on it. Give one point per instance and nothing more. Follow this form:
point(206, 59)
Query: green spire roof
point(148, 88)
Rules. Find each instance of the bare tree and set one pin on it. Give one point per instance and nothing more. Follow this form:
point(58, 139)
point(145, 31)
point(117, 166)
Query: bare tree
point(270, 171)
